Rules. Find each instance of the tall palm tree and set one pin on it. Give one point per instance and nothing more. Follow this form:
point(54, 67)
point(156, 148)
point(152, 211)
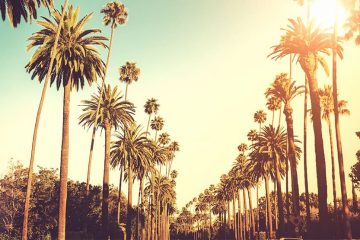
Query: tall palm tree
point(24, 234)
point(285, 89)
point(135, 149)
point(273, 104)
point(344, 199)
point(129, 73)
point(157, 124)
point(273, 142)
point(173, 147)
point(260, 118)
point(327, 108)
point(71, 68)
point(151, 107)
point(17, 9)
point(115, 14)
point(307, 43)
point(260, 166)
point(114, 113)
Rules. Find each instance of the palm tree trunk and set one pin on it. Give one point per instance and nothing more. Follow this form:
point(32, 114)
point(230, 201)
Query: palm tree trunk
point(152, 214)
point(143, 235)
point(354, 198)
point(307, 202)
point(119, 196)
point(228, 214)
point(148, 125)
point(251, 212)
point(310, 71)
point(294, 178)
point(268, 204)
point(234, 215)
point(245, 214)
point(279, 196)
point(138, 216)
point(275, 207)
point(239, 217)
point(105, 198)
point(126, 91)
point(332, 167)
point(258, 210)
point(97, 112)
point(64, 162)
point(129, 205)
point(36, 127)
point(345, 206)
point(287, 182)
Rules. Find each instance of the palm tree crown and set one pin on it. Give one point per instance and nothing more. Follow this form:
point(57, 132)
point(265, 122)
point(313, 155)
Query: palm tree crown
point(115, 14)
point(15, 9)
point(157, 123)
point(129, 73)
point(76, 59)
point(112, 109)
point(151, 106)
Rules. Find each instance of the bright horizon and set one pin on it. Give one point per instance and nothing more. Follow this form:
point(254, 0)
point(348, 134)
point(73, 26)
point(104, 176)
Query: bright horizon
point(206, 64)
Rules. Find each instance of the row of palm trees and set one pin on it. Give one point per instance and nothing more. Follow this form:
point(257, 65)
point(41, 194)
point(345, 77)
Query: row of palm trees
point(273, 148)
point(68, 55)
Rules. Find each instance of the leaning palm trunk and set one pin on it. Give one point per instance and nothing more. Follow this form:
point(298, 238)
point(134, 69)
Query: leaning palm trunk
point(309, 65)
point(251, 212)
point(37, 121)
point(332, 166)
point(294, 178)
point(105, 194)
point(345, 206)
point(240, 235)
point(64, 162)
point(245, 214)
point(268, 205)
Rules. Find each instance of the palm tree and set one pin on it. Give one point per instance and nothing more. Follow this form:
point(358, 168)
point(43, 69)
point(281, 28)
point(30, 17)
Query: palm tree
point(151, 106)
point(115, 14)
point(327, 108)
point(37, 121)
point(285, 89)
point(114, 113)
point(129, 73)
point(273, 142)
point(157, 124)
point(173, 147)
point(15, 9)
point(260, 166)
point(135, 149)
point(273, 104)
point(71, 69)
point(307, 43)
point(260, 118)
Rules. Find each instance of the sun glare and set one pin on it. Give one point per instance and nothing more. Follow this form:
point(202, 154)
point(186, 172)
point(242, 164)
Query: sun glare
point(324, 11)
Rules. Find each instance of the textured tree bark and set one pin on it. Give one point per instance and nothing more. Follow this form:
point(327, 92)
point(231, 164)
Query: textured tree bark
point(64, 162)
point(309, 65)
point(294, 178)
point(279, 196)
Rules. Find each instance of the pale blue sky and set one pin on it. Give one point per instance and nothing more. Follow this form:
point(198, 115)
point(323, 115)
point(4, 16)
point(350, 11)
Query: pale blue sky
point(204, 60)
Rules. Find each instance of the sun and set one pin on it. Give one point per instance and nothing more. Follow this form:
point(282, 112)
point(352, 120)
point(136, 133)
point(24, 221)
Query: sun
point(324, 12)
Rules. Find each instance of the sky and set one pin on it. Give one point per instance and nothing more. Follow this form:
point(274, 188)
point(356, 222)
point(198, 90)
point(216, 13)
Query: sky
point(206, 63)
